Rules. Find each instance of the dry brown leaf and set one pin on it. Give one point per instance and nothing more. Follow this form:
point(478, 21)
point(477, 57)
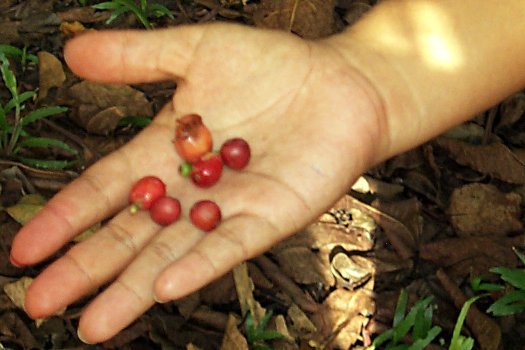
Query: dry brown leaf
point(480, 209)
point(101, 106)
point(486, 331)
point(472, 253)
point(304, 266)
point(309, 19)
point(495, 159)
point(16, 291)
point(300, 325)
point(244, 287)
point(351, 271)
point(342, 317)
point(50, 72)
point(233, 339)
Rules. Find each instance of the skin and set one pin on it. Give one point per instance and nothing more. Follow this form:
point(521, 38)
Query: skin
point(316, 115)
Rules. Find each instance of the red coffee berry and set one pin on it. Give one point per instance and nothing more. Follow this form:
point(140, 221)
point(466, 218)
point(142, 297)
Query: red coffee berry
point(207, 171)
point(192, 138)
point(205, 215)
point(145, 192)
point(165, 210)
point(235, 153)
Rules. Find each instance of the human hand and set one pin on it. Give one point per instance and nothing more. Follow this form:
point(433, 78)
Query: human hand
point(312, 125)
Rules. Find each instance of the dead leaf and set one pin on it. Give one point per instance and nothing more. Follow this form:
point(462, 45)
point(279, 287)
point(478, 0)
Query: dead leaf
point(26, 208)
point(304, 266)
point(474, 254)
point(300, 325)
point(351, 271)
point(51, 73)
point(342, 317)
point(16, 291)
point(14, 330)
point(244, 287)
point(309, 19)
point(188, 304)
point(486, 331)
point(233, 339)
point(408, 212)
point(495, 159)
point(479, 209)
point(355, 11)
point(103, 105)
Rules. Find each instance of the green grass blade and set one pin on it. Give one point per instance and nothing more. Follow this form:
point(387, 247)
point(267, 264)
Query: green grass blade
point(41, 113)
point(269, 335)
point(47, 164)
point(402, 329)
point(401, 307)
point(510, 304)
point(140, 122)
point(455, 343)
point(521, 256)
point(45, 142)
point(13, 51)
point(24, 96)
point(421, 343)
point(380, 339)
point(515, 277)
point(423, 323)
point(109, 5)
point(158, 10)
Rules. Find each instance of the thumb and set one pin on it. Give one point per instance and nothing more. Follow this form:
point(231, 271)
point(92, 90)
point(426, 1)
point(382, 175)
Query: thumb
point(133, 56)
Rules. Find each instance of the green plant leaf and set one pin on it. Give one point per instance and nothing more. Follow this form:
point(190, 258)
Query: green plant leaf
point(158, 10)
point(401, 306)
point(47, 164)
point(8, 76)
point(269, 335)
point(402, 329)
point(423, 323)
point(521, 256)
point(515, 277)
point(24, 96)
point(380, 339)
point(41, 113)
point(45, 142)
point(421, 343)
point(457, 341)
point(140, 122)
point(13, 51)
point(108, 5)
point(510, 304)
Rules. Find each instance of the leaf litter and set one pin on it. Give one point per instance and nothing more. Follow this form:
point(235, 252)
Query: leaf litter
point(427, 220)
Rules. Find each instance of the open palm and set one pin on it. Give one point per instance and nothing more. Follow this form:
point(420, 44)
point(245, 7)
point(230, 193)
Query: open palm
point(310, 121)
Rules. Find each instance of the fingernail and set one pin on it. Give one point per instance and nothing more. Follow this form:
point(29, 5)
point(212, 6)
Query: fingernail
point(81, 337)
point(14, 262)
point(159, 300)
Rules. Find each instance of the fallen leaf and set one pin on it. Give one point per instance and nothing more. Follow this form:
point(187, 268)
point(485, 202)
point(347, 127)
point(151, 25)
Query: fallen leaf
point(309, 19)
point(351, 271)
point(13, 330)
point(495, 159)
point(50, 72)
point(26, 208)
point(16, 291)
point(233, 339)
point(244, 287)
point(480, 209)
point(342, 316)
point(101, 106)
point(486, 331)
point(471, 254)
point(300, 325)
